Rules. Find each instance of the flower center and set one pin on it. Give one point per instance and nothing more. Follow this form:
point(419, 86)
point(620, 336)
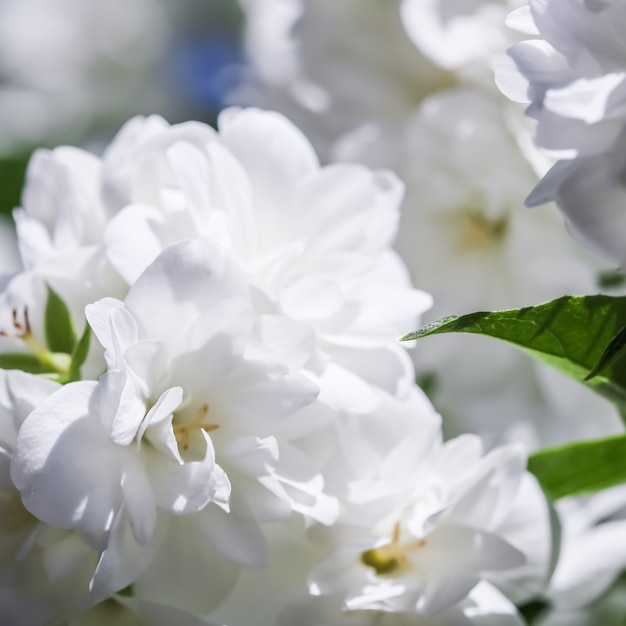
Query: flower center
point(183, 431)
point(480, 231)
point(391, 559)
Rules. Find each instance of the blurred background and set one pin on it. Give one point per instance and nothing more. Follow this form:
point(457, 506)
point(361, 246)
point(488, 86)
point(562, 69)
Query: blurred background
point(73, 71)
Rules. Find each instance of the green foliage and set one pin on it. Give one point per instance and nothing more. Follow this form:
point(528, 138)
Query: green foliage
point(62, 357)
point(582, 336)
point(59, 327)
point(21, 361)
point(585, 338)
point(533, 611)
point(580, 467)
point(611, 279)
point(12, 173)
point(79, 355)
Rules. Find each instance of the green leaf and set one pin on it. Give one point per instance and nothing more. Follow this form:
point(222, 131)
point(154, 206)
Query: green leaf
point(79, 355)
point(534, 610)
point(12, 174)
point(59, 327)
point(127, 592)
point(612, 352)
point(579, 335)
point(611, 279)
point(21, 361)
point(580, 467)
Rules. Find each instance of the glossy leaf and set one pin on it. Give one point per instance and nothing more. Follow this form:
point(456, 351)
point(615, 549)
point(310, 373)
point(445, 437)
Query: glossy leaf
point(580, 467)
point(582, 336)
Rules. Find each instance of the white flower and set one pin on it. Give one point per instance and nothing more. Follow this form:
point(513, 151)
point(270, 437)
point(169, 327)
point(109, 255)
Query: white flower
point(43, 570)
point(315, 242)
point(60, 225)
point(573, 76)
point(61, 209)
point(421, 532)
point(284, 581)
point(459, 33)
point(592, 554)
point(196, 384)
point(333, 66)
point(466, 238)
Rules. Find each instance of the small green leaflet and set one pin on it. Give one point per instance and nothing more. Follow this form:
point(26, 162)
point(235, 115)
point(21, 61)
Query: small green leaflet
point(58, 324)
point(581, 467)
point(79, 355)
point(582, 336)
point(21, 361)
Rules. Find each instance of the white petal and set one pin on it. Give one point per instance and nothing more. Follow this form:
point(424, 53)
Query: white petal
point(184, 488)
point(187, 572)
point(123, 559)
point(236, 537)
point(133, 239)
point(139, 500)
point(114, 327)
point(189, 278)
point(64, 464)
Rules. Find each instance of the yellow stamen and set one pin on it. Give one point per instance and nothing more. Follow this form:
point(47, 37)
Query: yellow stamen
point(390, 558)
point(481, 231)
point(183, 431)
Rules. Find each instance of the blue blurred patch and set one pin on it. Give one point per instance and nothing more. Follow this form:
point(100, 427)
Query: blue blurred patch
point(206, 70)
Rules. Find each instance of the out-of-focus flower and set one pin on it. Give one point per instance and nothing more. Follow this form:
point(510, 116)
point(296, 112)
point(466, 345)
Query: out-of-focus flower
point(467, 239)
point(573, 76)
point(464, 35)
point(334, 66)
point(591, 559)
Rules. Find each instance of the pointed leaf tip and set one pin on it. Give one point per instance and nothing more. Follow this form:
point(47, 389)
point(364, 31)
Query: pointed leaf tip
point(432, 329)
point(582, 336)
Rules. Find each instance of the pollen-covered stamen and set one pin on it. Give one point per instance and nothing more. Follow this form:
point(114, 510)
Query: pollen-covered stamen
point(184, 430)
point(19, 330)
point(391, 559)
